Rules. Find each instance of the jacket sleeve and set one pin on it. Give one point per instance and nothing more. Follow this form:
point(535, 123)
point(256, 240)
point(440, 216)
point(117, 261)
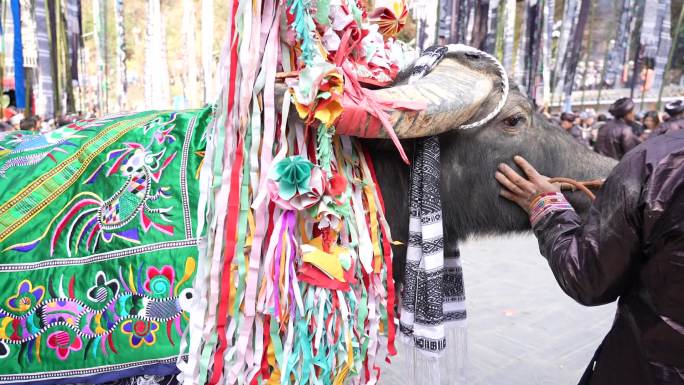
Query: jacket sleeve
point(593, 261)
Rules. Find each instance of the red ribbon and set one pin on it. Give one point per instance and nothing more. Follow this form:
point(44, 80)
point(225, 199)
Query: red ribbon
point(233, 210)
point(387, 252)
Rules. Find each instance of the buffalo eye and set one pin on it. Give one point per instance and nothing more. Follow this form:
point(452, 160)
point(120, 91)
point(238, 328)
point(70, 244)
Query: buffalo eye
point(513, 121)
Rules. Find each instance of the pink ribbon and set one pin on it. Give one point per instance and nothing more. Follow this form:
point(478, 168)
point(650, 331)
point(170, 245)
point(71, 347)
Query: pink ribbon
point(361, 106)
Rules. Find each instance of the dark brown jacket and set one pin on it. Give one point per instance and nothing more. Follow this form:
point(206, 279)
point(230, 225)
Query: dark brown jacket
point(671, 125)
point(615, 139)
point(630, 248)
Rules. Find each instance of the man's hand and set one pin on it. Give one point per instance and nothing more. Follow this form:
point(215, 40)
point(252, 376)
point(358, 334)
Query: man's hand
point(520, 190)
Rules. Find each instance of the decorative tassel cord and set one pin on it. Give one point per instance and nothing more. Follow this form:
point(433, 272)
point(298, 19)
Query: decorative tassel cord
point(583, 186)
point(433, 300)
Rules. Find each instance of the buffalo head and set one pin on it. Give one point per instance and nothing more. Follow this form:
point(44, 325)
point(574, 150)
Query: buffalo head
point(465, 88)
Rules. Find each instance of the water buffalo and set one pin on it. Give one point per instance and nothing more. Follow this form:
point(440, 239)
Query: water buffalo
point(470, 195)
point(77, 201)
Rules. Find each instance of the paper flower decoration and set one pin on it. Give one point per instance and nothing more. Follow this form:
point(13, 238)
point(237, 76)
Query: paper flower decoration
point(327, 217)
point(390, 16)
point(329, 213)
point(295, 183)
point(336, 185)
point(317, 93)
point(332, 270)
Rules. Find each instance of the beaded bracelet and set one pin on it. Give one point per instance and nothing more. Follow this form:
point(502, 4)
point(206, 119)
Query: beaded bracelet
point(547, 203)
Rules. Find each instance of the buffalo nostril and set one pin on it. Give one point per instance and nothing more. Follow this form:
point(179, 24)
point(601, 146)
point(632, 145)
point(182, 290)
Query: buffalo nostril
point(472, 55)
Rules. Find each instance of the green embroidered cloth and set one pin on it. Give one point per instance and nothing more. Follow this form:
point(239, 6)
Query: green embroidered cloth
point(98, 246)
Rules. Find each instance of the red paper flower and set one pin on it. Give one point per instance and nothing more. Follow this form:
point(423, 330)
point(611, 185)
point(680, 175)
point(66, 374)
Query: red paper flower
point(336, 185)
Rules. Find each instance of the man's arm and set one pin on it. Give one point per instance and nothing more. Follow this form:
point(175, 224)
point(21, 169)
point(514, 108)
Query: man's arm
point(592, 261)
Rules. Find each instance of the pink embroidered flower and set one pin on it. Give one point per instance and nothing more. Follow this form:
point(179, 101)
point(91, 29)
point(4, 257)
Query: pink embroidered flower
point(26, 298)
point(159, 283)
point(63, 343)
point(140, 332)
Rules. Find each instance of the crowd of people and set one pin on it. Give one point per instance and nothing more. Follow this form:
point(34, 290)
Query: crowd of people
point(610, 135)
point(626, 129)
point(13, 119)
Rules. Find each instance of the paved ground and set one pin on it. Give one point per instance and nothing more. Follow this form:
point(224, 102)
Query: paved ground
point(522, 329)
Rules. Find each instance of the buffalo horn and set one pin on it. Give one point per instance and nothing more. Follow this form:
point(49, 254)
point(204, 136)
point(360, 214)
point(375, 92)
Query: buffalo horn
point(452, 92)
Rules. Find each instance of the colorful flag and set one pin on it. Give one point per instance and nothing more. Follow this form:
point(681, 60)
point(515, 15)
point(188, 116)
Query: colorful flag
point(573, 54)
point(190, 71)
point(492, 26)
point(508, 35)
point(19, 79)
point(547, 39)
point(617, 57)
point(45, 94)
point(655, 38)
point(570, 11)
point(157, 93)
point(426, 14)
point(208, 64)
point(122, 84)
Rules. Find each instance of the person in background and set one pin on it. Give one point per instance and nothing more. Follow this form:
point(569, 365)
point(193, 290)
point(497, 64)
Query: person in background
point(676, 122)
point(567, 123)
point(637, 127)
point(601, 119)
point(28, 124)
point(32, 123)
point(616, 137)
point(587, 120)
point(554, 118)
point(15, 121)
point(5, 127)
point(651, 122)
point(10, 110)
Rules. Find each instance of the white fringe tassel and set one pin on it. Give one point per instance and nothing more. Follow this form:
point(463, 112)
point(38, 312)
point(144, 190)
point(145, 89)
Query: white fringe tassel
point(449, 369)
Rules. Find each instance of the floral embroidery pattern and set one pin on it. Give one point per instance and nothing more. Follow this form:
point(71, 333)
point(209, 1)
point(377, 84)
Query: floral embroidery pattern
point(103, 290)
point(149, 298)
point(159, 283)
point(63, 343)
point(140, 332)
point(27, 296)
